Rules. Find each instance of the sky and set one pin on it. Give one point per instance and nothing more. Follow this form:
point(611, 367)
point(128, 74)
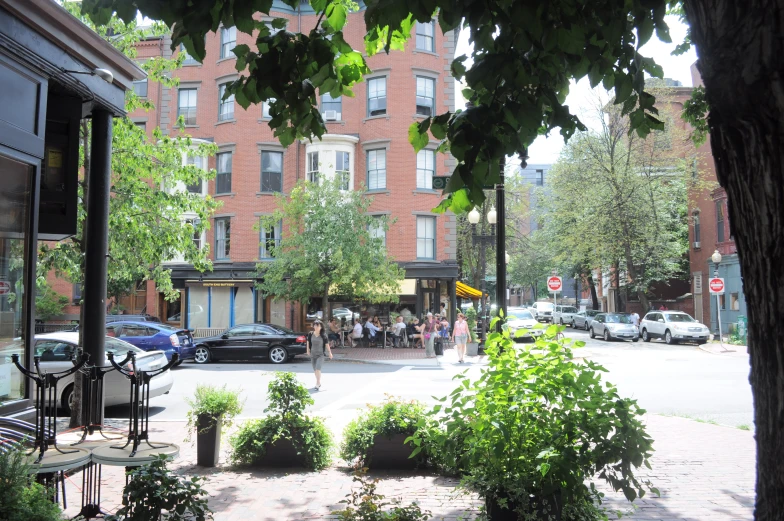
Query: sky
point(546, 149)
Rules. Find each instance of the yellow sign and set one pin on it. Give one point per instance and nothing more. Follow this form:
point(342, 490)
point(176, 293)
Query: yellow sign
point(55, 158)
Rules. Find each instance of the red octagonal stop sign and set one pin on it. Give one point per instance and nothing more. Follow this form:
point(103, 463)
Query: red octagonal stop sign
point(5, 287)
point(554, 284)
point(716, 285)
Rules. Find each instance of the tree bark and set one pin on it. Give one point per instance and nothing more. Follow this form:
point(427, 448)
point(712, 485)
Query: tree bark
point(594, 296)
point(741, 59)
point(325, 304)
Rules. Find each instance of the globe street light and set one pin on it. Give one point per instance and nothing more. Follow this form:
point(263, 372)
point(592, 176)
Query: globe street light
point(483, 241)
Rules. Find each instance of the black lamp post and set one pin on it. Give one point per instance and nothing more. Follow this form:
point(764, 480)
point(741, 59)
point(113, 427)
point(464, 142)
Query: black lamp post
point(483, 241)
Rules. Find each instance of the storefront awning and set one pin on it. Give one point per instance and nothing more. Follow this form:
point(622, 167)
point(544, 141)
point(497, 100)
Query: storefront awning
point(466, 291)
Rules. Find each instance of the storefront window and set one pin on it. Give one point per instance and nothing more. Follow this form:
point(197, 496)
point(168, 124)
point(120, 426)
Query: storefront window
point(15, 191)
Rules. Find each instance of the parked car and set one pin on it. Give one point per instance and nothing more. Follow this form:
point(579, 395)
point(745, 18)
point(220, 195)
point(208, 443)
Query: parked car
point(582, 320)
point(117, 318)
point(152, 336)
point(277, 344)
point(673, 327)
point(618, 326)
point(341, 313)
point(521, 318)
point(56, 349)
point(543, 311)
point(563, 314)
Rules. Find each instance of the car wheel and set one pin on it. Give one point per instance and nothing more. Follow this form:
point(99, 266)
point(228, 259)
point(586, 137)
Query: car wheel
point(573, 326)
point(585, 325)
point(645, 337)
point(202, 355)
point(668, 337)
point(560, 321)
point(278, 355)
point(593, 335)
point(606, 336)
point(635, 339)
point(67, 399)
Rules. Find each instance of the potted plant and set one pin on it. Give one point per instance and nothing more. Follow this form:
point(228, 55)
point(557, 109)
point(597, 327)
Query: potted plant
point(22, 499)
point(380, 438)
point(535, 428)
point(366, 504)
point(472, 348)
point(212, 409)
point(287, 437)
point(153, 493)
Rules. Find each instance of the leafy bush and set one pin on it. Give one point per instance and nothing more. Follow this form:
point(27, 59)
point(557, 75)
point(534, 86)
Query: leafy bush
point(392, 417)
point(22, 499)
point(219, 403)
point(367, 505)
point(155, 493)
point(536, 425)
point(287, 420)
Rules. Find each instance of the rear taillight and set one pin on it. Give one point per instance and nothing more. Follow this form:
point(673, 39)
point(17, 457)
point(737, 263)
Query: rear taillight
point(175, 341)
point(301, 339)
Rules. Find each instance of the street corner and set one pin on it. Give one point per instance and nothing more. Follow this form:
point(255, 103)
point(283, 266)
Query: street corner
point(728, 350)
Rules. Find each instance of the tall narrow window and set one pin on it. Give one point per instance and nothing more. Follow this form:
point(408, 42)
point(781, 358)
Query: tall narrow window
point(312, 173)
point(269, 239)
point(425, 36)
point(228, 41)
point(377, 96)
point(189, 60)
point(331, 108)
point(426, 160)
point(697, 229)
point(76, 295)
point(377, 231)
point(265, 108)
point(186, 106)
point(195, 188)
point(425, 96)
point(719, 221)
point(222, 238)
point(196, 234)
point(223, 179)
point(426, 237)
point(140, 88)
point(225, 105)
point(271, 171)
point(540, 178)
point(377, 169)
point(342, 169)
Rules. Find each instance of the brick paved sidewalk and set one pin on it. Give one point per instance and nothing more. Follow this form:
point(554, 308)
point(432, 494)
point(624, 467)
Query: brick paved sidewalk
point(704, 472)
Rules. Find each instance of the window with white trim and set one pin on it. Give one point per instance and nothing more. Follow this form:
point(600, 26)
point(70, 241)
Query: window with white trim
point(377, 169)
point(377, 231)
point(426, 237)
point(269, 240)
point(223, 178)
point(140, 88)
point(225, 106)
point(377, 96)
point(342, 169)
point(198, 162)
point(222, 238)
point(425, 95)
point(196, 234)
point(312, 172)
point(426, 166)
point(331, 108)
point(271, 171)
point(228, 41)
point(265, 108)
point(189, 60)
point(425, 36)
point(186, 105)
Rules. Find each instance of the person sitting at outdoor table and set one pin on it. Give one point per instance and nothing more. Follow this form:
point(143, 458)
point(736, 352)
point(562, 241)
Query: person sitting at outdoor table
point(334, 332)
point(398, 330)
point(372, 328)
point(417, 335)
point(356, 334)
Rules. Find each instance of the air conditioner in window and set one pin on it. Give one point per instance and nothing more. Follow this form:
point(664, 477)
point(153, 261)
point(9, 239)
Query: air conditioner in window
point(696, 244)
point(330, 115)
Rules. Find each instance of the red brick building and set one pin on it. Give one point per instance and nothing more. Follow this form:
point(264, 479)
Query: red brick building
point(367, 141)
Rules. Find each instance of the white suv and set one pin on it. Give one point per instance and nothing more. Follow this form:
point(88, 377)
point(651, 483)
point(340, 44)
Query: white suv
point(543, 311)
point(673, 326)
point(564, 314)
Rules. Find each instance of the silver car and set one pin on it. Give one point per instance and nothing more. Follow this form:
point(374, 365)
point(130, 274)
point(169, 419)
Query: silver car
point(564, 314)
point(55, 350)
point(583, 319)
point(614, 326)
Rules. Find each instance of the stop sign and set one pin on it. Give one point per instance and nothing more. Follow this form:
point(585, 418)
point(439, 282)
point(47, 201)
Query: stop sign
point(716, 285)
point(5, 287)
point(554, 284)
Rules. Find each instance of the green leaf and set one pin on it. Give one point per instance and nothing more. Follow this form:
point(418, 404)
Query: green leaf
point(416, 137)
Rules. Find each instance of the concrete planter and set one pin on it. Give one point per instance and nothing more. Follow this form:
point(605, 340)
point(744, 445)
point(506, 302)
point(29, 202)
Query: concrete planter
point(390, 452)
point(472, 349)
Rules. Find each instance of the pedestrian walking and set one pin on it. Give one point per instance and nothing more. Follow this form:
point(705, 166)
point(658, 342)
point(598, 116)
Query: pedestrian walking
point(317, 348)
point(460, 336)
point(429, 332)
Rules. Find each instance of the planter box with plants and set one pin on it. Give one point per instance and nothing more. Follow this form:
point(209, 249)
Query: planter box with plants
point(287, 437)
point(536, 427)
point(212, 409)
point(377, 439)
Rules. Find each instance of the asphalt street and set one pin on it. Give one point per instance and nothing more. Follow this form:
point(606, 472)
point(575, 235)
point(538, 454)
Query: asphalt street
point(679, 380)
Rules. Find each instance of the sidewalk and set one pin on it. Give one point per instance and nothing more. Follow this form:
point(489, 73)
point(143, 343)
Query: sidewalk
point(703, 472)
point(400, 356)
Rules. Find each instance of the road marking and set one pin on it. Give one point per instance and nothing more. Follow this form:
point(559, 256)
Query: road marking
point(356, 396)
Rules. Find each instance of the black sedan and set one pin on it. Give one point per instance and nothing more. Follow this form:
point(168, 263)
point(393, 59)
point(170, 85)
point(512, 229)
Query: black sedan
point(251, 342)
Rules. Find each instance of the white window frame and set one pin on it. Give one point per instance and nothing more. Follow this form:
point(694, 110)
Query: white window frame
point(193, 95)
point(277, 233)
point(376, 229)
point(425, 236)
point(222, 238)
point(328, 103)
point(424, 175)
point(422, 84)
point(261, 178)
point(265, 108)
point(373, 93)
point(222, 172)
point(225, 106)
point(228, 36)
point(312, 167)
point(426, 42)
point(343, 168)
point(377, 177)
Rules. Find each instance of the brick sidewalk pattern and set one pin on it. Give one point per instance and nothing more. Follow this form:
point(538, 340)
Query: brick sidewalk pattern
point(704, 472)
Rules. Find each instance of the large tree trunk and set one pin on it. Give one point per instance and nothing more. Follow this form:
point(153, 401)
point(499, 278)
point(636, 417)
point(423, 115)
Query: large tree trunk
point(594, 296)
point(741, 60)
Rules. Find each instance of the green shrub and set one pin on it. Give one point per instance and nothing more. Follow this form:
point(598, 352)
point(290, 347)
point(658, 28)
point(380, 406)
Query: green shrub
point(367, 505)
point(536, 426)
point(219, 403)
point(21, 498)
point(390, 418)
point(287, 420)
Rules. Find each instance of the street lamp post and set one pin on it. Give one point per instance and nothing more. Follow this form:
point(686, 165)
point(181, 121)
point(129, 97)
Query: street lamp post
point(716, 258)
point(482, 240)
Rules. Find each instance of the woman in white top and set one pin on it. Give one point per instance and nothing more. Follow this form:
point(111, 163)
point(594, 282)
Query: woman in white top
point(357, 333)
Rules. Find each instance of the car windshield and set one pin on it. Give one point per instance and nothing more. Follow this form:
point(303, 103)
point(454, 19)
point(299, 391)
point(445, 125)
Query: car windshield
point(568, 309)
point(520, 314)
point(618, 319)
point(678, 317)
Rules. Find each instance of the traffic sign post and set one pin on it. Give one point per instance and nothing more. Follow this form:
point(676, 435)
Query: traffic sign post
point(716, 286)
point(554, 284)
